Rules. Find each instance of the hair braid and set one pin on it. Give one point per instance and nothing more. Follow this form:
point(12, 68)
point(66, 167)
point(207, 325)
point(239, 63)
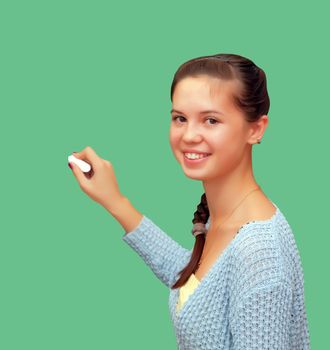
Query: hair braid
point(201, 215)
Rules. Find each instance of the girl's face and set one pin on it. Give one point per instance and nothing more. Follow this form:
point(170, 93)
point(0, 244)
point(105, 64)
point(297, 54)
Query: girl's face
point(221, 133)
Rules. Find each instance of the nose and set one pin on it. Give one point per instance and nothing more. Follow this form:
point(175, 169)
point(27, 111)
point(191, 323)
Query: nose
point(191, 134)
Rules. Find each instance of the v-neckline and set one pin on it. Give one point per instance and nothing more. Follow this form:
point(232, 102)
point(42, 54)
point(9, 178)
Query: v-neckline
point(217, 261)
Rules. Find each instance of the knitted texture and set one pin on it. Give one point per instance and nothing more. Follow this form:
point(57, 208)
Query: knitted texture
point(251, 298)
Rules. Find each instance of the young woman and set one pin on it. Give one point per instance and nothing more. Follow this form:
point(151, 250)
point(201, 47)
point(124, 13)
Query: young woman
point(242, 285)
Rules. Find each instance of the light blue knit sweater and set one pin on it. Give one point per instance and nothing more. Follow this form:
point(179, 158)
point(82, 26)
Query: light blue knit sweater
point(251, 298)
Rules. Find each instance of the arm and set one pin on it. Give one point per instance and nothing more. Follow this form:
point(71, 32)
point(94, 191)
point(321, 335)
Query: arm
point(160, 252)
point(263, 319)
point(261, 302)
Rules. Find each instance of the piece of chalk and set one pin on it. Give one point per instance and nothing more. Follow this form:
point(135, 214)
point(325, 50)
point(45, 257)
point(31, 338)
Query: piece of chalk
point(84, 166)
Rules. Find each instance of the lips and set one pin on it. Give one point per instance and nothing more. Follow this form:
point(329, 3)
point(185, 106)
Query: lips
point(195, 162)
point(195, 151)
point(203, 155)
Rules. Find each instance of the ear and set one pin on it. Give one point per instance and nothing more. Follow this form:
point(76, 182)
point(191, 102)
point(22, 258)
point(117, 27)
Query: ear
point(257, 129)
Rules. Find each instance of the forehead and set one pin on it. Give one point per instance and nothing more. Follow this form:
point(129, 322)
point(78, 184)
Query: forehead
point(202, 93)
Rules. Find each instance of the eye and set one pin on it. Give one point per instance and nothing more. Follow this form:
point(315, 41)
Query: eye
point(180, 116)
point(177, 117)
point(216, 122)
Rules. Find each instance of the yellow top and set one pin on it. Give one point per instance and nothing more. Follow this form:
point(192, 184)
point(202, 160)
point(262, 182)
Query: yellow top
point(186, 290)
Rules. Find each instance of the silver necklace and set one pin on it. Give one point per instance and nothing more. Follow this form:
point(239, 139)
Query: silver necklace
point(256, 189)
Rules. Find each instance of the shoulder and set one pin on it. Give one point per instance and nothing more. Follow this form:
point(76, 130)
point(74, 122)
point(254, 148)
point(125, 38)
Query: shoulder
point(257, 258)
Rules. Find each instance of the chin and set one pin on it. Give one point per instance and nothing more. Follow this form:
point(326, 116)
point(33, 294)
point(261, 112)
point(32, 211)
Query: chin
point(195, 174)
point(198, 178)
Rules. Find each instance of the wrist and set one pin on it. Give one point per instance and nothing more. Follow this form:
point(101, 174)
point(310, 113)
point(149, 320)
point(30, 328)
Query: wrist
point(125, 213)
point(115, 206)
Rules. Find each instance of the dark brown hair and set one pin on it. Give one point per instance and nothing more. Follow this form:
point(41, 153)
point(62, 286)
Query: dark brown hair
point(251, 98)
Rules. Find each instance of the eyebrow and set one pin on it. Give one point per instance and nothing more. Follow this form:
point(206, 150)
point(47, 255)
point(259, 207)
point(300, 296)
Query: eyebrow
point(203, 112)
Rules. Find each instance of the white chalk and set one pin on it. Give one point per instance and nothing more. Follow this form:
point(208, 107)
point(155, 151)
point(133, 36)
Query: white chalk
point(85, 167)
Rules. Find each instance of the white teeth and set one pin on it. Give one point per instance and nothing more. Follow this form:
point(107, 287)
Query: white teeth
point(195, 156)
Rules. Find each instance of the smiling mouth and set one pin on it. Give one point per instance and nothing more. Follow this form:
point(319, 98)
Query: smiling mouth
point(196, 160)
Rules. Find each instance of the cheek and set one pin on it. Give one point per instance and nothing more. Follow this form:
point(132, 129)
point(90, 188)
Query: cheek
point(225, 139)
point(174, 138)
point(218, 142)
point(227, 152)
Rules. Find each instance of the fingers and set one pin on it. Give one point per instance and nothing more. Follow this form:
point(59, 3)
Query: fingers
point(85, 152)
point(89, 155)
point(79, 175)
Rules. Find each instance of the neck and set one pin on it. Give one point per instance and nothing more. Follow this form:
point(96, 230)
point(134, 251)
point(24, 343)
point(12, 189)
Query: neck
point(225, 193)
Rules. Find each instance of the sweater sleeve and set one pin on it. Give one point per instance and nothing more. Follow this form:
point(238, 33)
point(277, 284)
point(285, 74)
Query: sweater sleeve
point(262, 298)
point(160, 252)
point(262, 319)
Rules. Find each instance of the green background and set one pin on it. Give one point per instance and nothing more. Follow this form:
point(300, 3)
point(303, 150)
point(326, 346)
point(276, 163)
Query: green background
point(98, 73)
